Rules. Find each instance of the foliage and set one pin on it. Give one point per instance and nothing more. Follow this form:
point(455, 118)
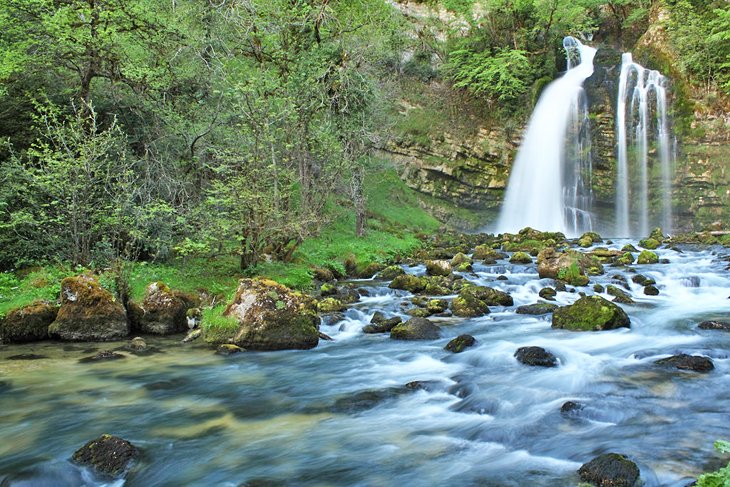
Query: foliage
point(721, 477)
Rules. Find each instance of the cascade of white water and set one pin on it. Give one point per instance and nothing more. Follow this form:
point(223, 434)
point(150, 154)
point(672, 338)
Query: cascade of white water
point(641, 91)
point(542, 192)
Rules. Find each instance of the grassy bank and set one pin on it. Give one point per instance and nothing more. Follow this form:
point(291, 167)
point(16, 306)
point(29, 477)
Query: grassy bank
point(395, 220)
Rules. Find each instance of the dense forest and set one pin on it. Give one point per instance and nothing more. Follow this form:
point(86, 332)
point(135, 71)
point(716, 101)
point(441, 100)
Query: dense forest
point(146, 129)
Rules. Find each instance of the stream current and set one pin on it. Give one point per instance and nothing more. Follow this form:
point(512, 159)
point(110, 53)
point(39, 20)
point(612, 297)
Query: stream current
point(340, 415)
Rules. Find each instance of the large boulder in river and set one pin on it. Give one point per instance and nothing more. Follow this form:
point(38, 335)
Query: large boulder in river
point(590, 313)
point(88, 313)
point(416, 329)
point(438, 267)
point(409, 282)
point(28, 323)
point(610, 470)
point(164, 312)
point(571, 266)
point(271, 317)
point(109, 455)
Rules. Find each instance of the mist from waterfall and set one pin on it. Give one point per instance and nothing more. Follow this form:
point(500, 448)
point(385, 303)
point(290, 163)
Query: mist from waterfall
point(550, 184)
point(644, 142)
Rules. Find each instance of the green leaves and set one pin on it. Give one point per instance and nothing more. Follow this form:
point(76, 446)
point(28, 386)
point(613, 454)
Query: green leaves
point(500, 75)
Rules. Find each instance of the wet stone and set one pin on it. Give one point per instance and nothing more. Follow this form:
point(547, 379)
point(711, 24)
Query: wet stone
point(714, 325)
point(651, 291)
point(102, 356)
point(570, 408)
point(610, 470)
point(536, 356)
point(107, 455)
point(27, 356)
point(458, 344)
point(683, 361)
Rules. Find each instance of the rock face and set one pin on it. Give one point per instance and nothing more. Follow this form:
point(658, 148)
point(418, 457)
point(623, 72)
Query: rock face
point(164, 313)
point(28, 324)
point(590, 313)
point(458, 344)
point(107, 454)
point(683, 361)
point(88, 313)
point(536, 356)
point(416, 329)
point(271, 317)
point(610, 470)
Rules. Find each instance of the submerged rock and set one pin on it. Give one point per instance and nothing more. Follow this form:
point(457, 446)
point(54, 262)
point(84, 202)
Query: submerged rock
point(537, 309)
point(416, 329)
point(107, 454)
point(570, 408)
point(270, 317)
point(28, 323)
point(137, 344)
point(536, 356)
point(104, 355)
point(88, 313)
point(458, 344)
point(683, 361)
point(610, 470)
point(364, 400)
point(228, 349)
point(590, 313)
point(192, 335)
point(714, 325)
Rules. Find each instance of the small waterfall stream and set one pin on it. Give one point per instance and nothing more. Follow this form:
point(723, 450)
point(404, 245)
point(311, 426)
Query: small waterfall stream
point(549, 187)
point(642, 93)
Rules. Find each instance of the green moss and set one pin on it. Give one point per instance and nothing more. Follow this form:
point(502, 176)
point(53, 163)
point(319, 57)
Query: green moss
point(647, 257)
point(626, 259)
point(590, 313)
point(649, 243)
point(330, 305)
point(520, 258)
point(216, 327)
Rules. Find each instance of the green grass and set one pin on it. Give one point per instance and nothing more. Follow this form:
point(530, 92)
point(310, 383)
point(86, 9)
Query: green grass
point(394, 224)
point(216, 327)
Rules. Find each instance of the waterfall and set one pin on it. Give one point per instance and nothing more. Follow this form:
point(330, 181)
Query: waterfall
point(641, 93)
point(550, 184)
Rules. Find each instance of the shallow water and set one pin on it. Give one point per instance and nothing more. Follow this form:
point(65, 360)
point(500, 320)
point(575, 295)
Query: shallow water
point(339, 414)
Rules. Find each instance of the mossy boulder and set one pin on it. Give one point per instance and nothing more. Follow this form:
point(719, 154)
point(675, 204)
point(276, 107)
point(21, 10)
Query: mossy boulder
point(590, 313)
point(164, 312)
point(270, 316)
point(390, 272)
point(28, 323)
point(367, 270)
point(487, 254)
point(657, 234)
point(416, 329)
point(108, 455)
point(435, 306)
point(651, 290)
point(490, 295)
point(585, 241)
point(460, 343)
point(438, 268)
point(571, 266)
point(330, 305)
point(629, 248)
point(536, 309)
point(459, 259)
point(649, 243)
point(610, 470)
point(520, 258)
point(627, 258)
point(647, 257)
point(468, 306)
point(409, 282)
point(589, 238)
point(88, 313)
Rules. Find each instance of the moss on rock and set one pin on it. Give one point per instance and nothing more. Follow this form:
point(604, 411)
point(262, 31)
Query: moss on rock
point(416, 329)
point(647, 257)
point(28, 323)
point(590, 313)
point(520, 258)
point(409, 282)
point(88, 313)
point(107, 454)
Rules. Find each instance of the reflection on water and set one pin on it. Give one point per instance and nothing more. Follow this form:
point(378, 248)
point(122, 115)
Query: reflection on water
point(341, 415)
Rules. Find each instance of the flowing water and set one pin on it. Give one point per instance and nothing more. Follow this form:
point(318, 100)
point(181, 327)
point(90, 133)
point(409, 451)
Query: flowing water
point(339, 414)
point(549, 186)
